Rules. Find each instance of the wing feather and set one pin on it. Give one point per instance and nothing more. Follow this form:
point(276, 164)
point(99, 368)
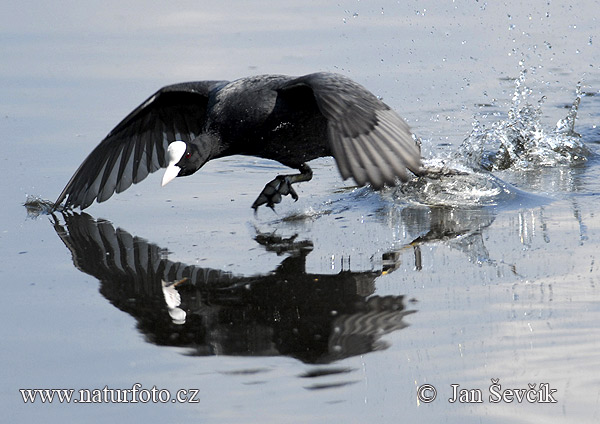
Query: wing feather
point(369, 141)
point(137, 145)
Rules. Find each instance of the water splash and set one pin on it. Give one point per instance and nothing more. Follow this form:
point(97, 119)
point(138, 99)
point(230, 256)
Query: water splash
point(450, 183)
point(37, 206)
point(521, 141)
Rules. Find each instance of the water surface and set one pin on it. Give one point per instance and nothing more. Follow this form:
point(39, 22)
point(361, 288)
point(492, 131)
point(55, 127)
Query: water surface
point(336, 307)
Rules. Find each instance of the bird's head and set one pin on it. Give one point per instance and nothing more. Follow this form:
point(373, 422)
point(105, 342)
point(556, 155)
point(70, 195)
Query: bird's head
point(182, 159)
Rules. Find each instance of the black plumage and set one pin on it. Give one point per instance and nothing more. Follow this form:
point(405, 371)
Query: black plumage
point(288, 119)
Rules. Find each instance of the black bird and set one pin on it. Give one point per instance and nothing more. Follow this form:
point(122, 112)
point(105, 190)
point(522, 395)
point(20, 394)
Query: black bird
point(288, 119)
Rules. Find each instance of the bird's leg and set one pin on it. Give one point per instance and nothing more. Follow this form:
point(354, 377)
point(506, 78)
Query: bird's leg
point(281, 186)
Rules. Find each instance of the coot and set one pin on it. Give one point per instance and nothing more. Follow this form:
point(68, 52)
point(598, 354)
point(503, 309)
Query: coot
point(288, 119)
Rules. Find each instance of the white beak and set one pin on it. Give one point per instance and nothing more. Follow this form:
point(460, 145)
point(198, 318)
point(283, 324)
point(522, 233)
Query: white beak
point(175, 152)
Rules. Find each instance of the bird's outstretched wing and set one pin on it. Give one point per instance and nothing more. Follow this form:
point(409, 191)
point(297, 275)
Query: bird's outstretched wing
point(369, 141)
point(137, 146)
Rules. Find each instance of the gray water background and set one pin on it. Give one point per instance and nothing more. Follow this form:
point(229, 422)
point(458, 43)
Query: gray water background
point(517, 299)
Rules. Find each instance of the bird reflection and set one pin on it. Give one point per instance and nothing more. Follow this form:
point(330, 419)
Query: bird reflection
point(316, 318)
point(458, 228)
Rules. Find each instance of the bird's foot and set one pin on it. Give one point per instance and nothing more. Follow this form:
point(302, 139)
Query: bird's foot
point(281, 186)
point(273, 191)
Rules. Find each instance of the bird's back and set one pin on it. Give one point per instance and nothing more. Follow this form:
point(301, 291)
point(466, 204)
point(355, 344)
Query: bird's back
point(253, 117)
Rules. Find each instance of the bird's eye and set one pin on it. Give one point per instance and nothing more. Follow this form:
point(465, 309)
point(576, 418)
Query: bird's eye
point(188, 155)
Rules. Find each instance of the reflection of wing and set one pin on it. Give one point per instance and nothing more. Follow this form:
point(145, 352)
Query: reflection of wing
point(283, 312)
point(359, 333)
point(108, 254)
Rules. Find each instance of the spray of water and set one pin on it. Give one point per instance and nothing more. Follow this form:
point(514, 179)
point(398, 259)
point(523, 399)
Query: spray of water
point(521, 141)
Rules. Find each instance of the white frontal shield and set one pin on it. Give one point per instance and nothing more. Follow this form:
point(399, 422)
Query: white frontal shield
point(175, 152)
